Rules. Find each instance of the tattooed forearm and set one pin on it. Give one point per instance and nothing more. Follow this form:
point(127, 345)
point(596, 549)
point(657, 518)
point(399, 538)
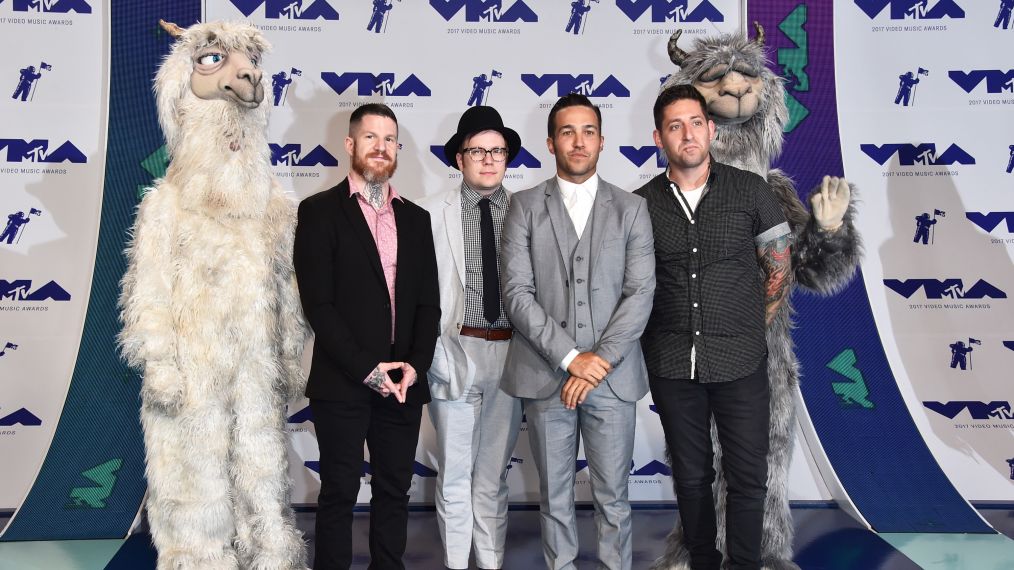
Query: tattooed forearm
point(776, 259)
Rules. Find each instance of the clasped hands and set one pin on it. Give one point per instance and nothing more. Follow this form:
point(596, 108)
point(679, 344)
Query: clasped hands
point(587, 371)
point(381, 383)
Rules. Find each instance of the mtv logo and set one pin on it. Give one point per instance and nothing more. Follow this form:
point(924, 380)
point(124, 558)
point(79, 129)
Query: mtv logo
point(37, 150)
point(914, 9)
point(383, 84)
point(291, 155)
point(653, 467)
point(22, 417)
point(670, 11)
point(997, 81)
point(641, 154)
point(988, 221)
point(524, 158)
point(485, 10)
point(582, 83)
point(302, 416)
point(977, 410)
point(20, 290)
point(924, 154)
point(288, 9)
point(52, 6)
point(940, 288)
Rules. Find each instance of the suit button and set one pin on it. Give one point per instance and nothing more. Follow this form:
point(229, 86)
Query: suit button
point(580, 281)
point(580, 325)
point(580, 303)
point(579, 258)
point(563, 324)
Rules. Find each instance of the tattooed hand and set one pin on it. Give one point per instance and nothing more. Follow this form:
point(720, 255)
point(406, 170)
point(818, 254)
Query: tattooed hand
point(380, 382)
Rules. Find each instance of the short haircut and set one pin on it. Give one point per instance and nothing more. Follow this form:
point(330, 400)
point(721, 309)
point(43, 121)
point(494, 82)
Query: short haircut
point(571, 100)
point(676, 93)
point(378, 109)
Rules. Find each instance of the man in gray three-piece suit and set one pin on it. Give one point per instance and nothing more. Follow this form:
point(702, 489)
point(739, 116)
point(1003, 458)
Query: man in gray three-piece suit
point(476, 424)
point(578, 282)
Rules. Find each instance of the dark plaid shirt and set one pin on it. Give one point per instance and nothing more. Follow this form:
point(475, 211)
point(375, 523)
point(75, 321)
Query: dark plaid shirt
point(471, 229)
point(709, 292)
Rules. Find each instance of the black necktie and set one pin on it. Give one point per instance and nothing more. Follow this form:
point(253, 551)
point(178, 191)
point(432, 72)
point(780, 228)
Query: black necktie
point(490, 274)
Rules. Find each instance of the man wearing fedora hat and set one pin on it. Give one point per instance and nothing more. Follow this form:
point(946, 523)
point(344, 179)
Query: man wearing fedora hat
point(476, 424)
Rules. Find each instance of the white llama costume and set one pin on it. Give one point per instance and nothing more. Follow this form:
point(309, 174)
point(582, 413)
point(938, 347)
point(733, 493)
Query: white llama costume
point(211, 315)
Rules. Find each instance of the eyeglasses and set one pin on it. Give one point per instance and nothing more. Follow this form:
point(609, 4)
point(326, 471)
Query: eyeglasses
point(478, 154)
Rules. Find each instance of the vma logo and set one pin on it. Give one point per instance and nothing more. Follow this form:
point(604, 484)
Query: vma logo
point(997, 81)
point(989, 221)
point(583, 84)
point(485, 10)
point(288, 9)
point(292, 155)
point(670, 11)
point(52, 6)
point(997, 410)
point(912, 9)
point(37, 150)
point(639, 155)
point(940, 288)
point(21, 417)
point(368, 84)
point(20, 290)
point(923, 154)
point(653, 467)
point(524, 158)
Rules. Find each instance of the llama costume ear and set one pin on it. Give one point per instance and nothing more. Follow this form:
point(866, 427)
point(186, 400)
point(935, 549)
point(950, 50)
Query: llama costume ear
point(172, 81)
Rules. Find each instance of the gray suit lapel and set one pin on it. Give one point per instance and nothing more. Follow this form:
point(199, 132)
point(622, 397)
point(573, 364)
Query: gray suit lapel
point(560, 219)
point(600, 211)
point(452, 223)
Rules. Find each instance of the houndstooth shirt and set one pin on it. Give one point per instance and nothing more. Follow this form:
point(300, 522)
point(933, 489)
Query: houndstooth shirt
point(709, 292)
point(471, 217)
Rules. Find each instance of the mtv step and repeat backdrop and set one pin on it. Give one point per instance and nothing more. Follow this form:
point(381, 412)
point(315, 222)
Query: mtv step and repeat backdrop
point(928, 90)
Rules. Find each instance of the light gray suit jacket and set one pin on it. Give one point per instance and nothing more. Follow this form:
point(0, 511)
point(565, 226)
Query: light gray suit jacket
point(535, 262)
point(452, 372)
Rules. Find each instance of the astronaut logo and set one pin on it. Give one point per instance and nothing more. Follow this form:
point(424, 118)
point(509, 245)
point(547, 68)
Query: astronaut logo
point(16, 225)
point(924, 154)
point(1003, 21)
point(578, 16)
point(288, 9)
point(639, 155)
point(380, 16)
point(21, 290)
point(514, 462)
point(961, 353)
point(292, 155)
point(924, 227)
point(369, 84)
point(1010, 161)
point(670, 10)
point(940, 288)
point(7, 347)
point(481, 87)
point(583, 83)
point(907, 84)
point(52, 6)
point(37, 150)
point(485, 10)
point(28, 81)
point(912, 9)
point(280, 83)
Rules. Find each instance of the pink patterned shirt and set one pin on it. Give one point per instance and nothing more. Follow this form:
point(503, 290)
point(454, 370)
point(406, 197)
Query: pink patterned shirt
point(385, 233)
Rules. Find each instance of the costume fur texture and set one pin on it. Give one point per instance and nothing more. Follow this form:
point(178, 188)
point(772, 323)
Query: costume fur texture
point(211, 316)
point(822, 262)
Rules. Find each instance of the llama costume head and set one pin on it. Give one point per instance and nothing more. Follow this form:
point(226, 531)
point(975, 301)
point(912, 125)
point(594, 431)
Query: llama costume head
point(209, 92)
point(745, 98)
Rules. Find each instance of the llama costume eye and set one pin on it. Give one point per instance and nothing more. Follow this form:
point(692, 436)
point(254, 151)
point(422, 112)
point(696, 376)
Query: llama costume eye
point(210, 59)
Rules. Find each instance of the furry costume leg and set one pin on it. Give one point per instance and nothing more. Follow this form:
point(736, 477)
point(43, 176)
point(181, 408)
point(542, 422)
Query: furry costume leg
point(189, 506)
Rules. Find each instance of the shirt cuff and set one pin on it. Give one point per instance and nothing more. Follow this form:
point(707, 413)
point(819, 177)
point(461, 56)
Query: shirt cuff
point(773, 233)
point(568, 359)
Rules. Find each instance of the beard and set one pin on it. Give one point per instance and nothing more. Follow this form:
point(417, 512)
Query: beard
point(373, 174)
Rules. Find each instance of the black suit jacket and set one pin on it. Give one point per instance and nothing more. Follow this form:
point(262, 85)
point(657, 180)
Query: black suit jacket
point(345, 299)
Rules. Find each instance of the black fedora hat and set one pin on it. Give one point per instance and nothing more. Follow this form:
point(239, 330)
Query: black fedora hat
point(477, 119)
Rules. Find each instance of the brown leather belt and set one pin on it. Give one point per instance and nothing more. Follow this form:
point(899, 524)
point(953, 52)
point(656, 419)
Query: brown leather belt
point(487, 334)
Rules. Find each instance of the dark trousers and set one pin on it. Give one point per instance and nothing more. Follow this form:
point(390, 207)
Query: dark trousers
point(391, 431)
point(741, 413)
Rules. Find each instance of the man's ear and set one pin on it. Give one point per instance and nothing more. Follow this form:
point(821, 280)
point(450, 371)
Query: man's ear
point(549, 145)
point(349, 144)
